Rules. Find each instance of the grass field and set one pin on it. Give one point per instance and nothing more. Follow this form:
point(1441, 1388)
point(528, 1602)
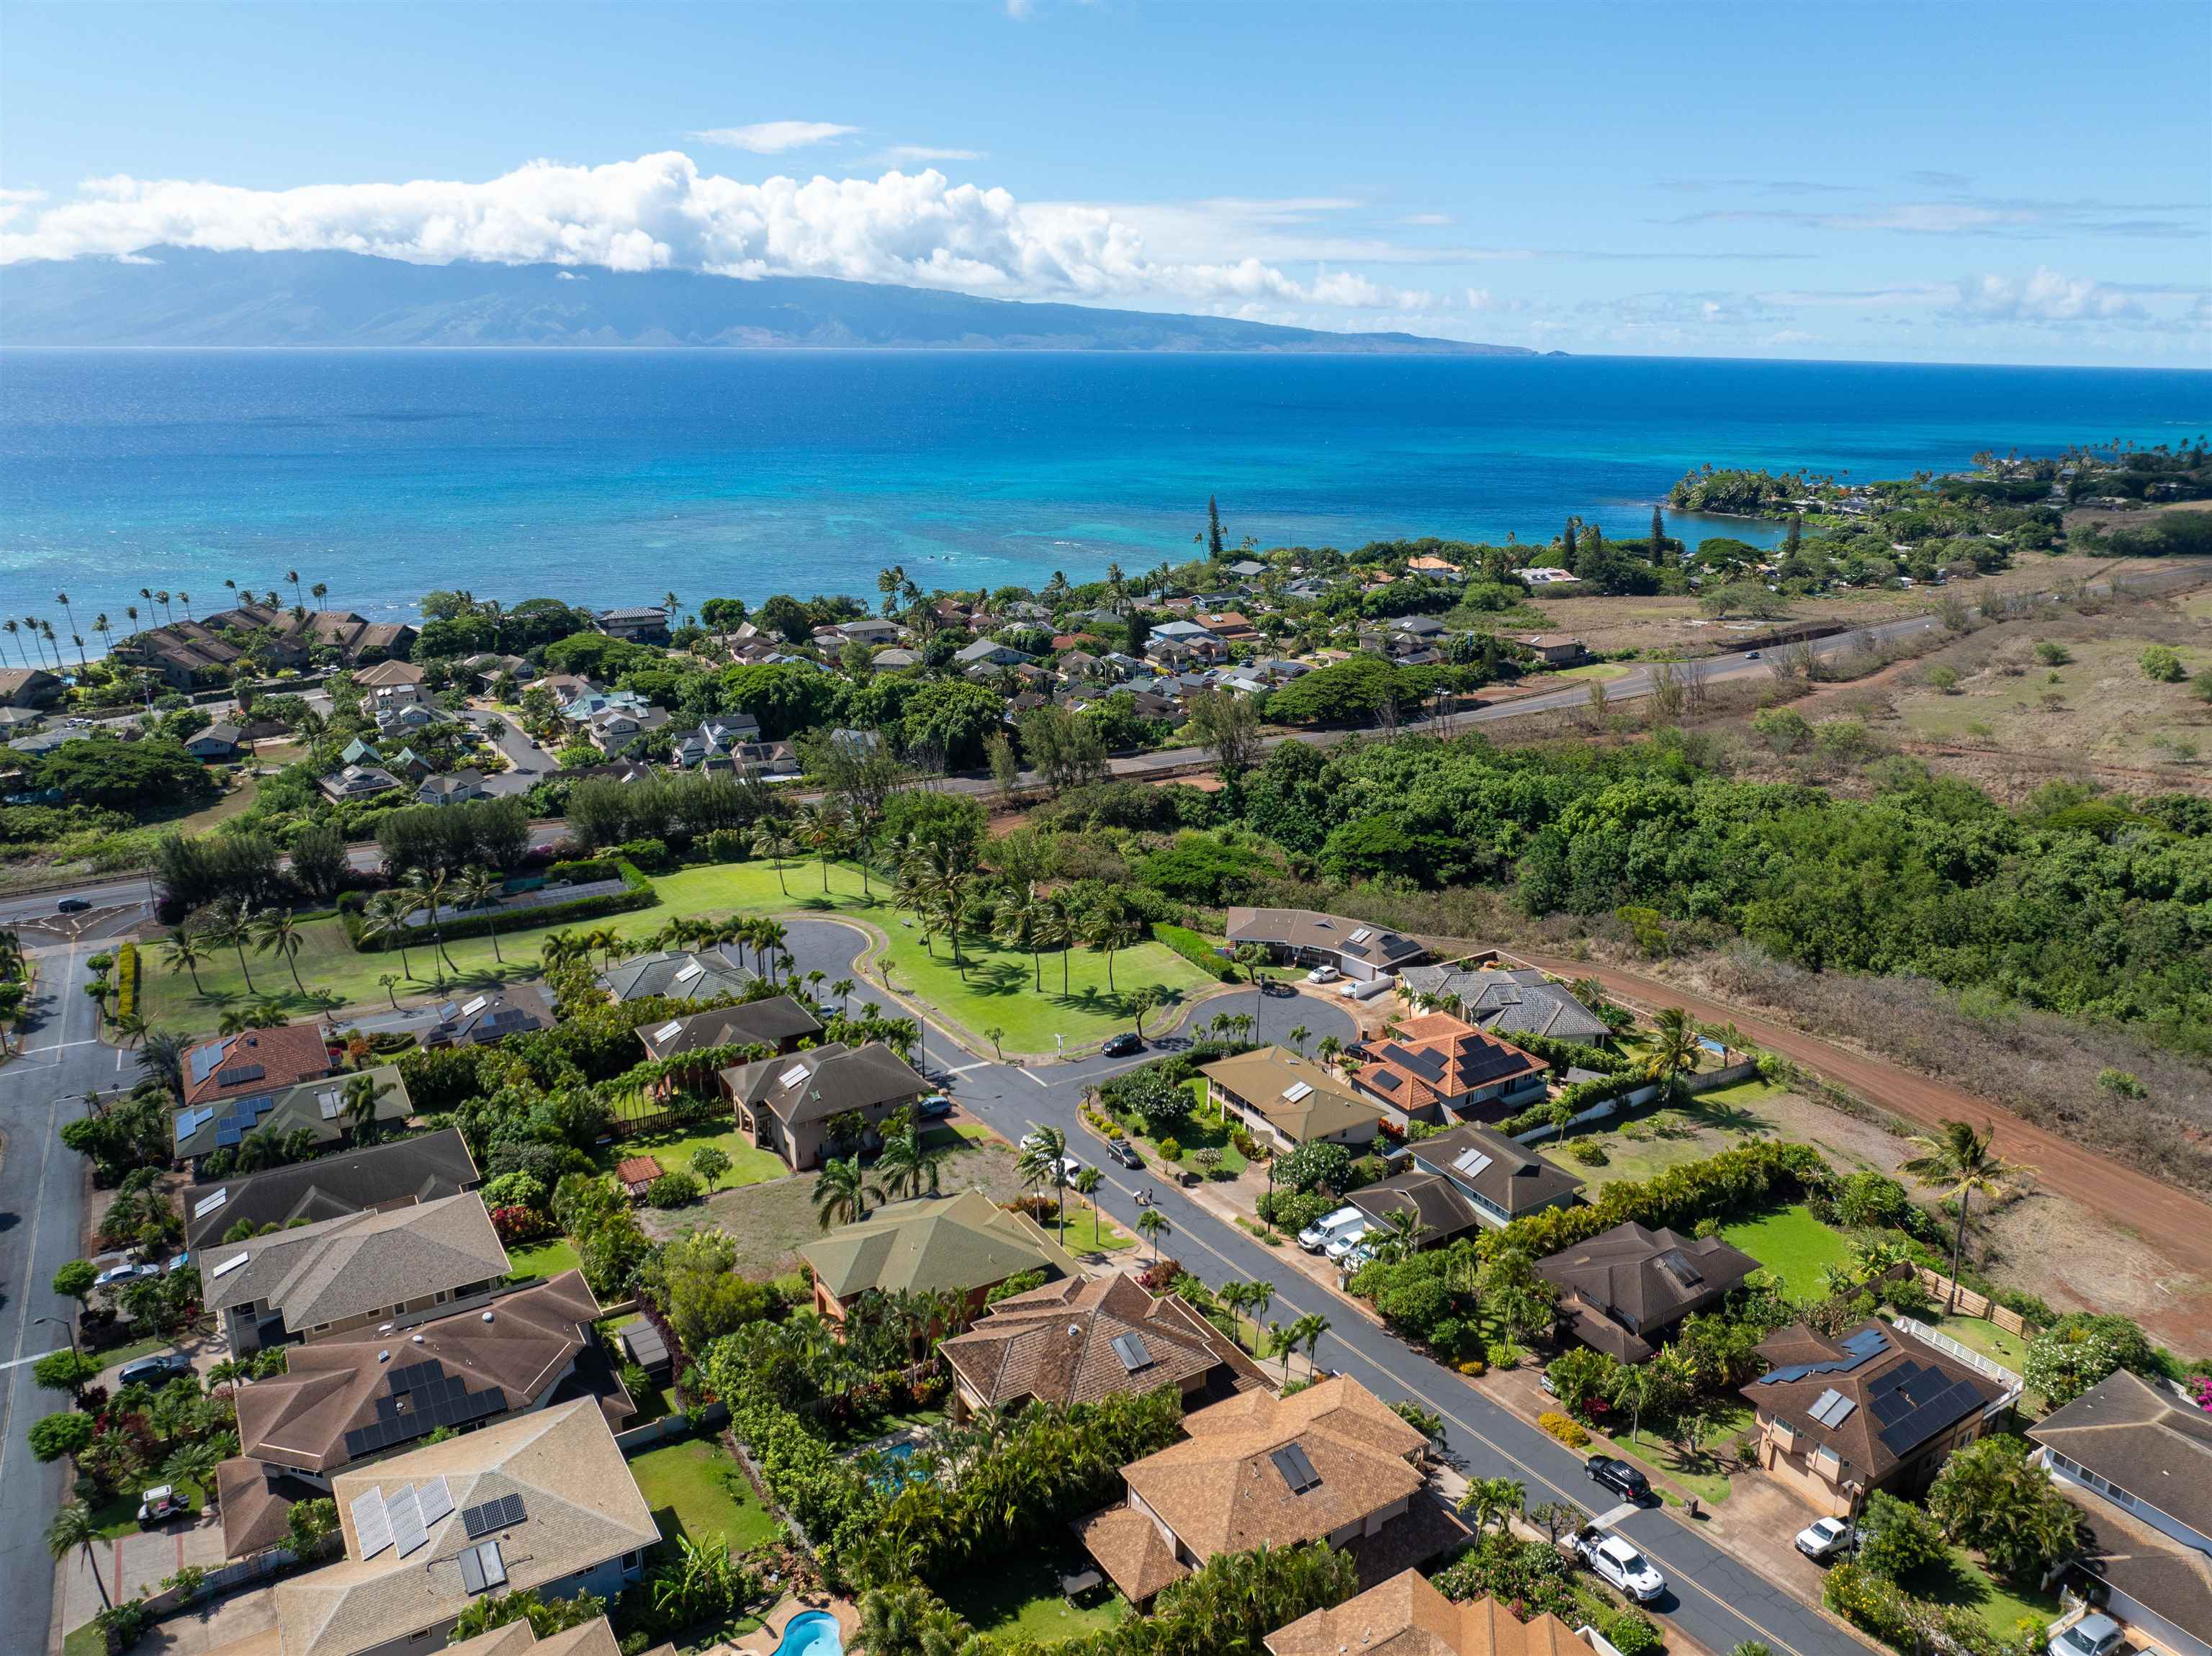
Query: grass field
point(1793, 1246)
point(995, 990)
point(749, 1164)
point(2098, 704)
point(696, 1489)
point(1086, 1233)
point(1649, 1143)
point(546, 1258)
point(1019, 1598)
point(1650, 1448)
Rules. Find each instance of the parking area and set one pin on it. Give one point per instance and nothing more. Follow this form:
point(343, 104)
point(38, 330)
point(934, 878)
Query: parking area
point(141, 1558)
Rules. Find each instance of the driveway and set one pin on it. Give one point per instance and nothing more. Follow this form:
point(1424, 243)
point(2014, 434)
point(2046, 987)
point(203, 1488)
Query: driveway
point(532, 763)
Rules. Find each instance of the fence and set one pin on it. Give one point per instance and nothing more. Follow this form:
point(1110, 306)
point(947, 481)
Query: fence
point(1971, 1304)
point(246, 1573)
point(1726, 1075)
point(1597, 1112)
point(676, 1424)
point(2013, 1383)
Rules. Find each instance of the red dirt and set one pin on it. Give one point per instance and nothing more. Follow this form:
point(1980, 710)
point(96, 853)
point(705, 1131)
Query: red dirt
point(2169, 1223)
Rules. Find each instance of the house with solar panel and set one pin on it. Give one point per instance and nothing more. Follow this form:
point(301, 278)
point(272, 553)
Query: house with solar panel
point(317, 1282)
point(1287, 1100)
point(1439, 1069)
point(316, 1107)
point(786, 1104)
point(486, 1020)
point(342, 1402)
point(230, 1068)
point(1464, 1180)
point(540, 1502)
point(673, 974)
point(1873, 1409)
point(1303, 937)
point(779, 1023)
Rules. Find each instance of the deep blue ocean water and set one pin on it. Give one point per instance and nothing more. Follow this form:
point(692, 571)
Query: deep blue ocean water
point(614, 477)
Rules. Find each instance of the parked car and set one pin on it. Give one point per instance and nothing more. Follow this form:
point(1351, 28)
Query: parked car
point(73, 904)
point(1126, 1153)
point(1620, 1566)
point(1620, 1477)
point(1824, 1538)
point(1544, 1379)
point(160, 1503)
point(1346, 1240)
point(935, 1108)
point(2094, 1635)
point(117, 1275)
point(1323, 1231)
point(1359, 1255)
point(156, 1370)
point(1122, 1046)
point(1323, 975)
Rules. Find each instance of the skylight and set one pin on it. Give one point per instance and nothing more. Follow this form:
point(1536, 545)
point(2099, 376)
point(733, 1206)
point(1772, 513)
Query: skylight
point(690, 972)
point(208, 1204)
point(792, 1076)
point(1471, 1162)
point(1296, 1091)
point(669, 1031)
point(476, 1006)
point(229, 1266)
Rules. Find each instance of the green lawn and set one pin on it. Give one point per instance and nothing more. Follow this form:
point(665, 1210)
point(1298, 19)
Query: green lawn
point(546, 1258)
point(90, 1640)
point(1086, 1234)
point(1019, 1598)
point(673, 1150)
point(1650, 1448)
point(1964, 1582)
point(1977, 1334)
point(1793, 1246)
point(695, 1489)
point(119, 1517)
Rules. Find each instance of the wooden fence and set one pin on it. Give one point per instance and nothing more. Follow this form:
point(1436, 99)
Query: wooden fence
point(1971, 1304)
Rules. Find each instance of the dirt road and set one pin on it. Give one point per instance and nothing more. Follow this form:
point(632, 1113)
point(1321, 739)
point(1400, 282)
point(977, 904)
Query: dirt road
point(2169, 1223)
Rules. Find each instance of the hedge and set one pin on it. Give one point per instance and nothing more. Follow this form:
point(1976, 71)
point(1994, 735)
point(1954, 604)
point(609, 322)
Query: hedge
point(1583, 1095)
point(1565, 1055)
point(126, 981)
point(1199, 952)
point(640, 894)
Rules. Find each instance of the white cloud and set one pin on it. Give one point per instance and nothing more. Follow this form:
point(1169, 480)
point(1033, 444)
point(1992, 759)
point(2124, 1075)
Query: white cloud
point(903, 155)
point(1428, 218)
point(776, 138)
point(2045, 296)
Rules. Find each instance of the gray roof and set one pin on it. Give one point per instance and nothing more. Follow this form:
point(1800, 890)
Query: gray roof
point(364, 1262)
point(666, 971)
point(825, 1081)
point(2143, 1438)
point(769, 1023)
point(1444, 1212)
point(1639, 1281)
point(480, 1020)
point(1305, 928)
point(316, 1105)
point(1510, 1002)
point(1493, 1167)
point(408, 1170)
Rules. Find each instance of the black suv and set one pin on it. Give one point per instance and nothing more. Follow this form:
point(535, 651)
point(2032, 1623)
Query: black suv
point(1122, 1046)
point(155, 1371)
point(1620, 1477)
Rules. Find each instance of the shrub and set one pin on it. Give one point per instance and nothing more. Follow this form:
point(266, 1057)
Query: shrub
point(1170, 1150)
point(1366, 1170)
point(1292, 1210)
point(514, 1225)
point(1897, 1537)
point(126, 981)
point(651, 855)
point(2052, 654)
point(1632, 1634)
point(2160, 665)
point(66, 1433)
point(518, 1190)
point(725, 845)
point(1316, 1164)
point(66, 1371)
point(1589, 1152)
point(1154, 1096)
point(1567, 1431)
point(673, 1190)
point(1473, 1366)
point(1199, 952)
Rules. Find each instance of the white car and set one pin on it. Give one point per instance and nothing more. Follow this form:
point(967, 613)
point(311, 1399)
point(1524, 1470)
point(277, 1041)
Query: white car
point(116, 1275)
point(1824, 1538)
point(2094, 1635)
point(1345, 1240)
point(1323, 975)
point(1324, 1230)
point(1620, 1566)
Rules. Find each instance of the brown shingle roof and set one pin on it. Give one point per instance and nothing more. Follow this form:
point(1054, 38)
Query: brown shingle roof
point(1129, 1547)
point(1306, 928)
point(1407, 1616)
point(1062, 1344)
point(769, 1023)
point(1906, 1389)
point(824, 1081)
point(1265, 1079)
point(1509, 1175)
point(1629, 1281)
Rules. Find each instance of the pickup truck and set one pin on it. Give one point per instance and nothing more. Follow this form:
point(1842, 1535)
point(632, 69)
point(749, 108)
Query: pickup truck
point(1619, 1565)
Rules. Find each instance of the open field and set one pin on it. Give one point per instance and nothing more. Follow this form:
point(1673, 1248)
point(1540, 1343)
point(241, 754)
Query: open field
point(2096, 705)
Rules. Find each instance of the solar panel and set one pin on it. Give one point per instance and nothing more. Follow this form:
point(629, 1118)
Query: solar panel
point(208, 1204)
point(204, 1059)
point(690, 972)
point(240, 1075)
point(1130, 1348)
point(475, 1006)
point(1954, 1401)
point(435, 1500)
point(330, 1103)
point(1297, 1090)
point(1362, 934)
point(472, 1575)
point(371, 1526)
point(1297, 1470)
point(226, 1135)
point(494, 1566)
point(502, 1513)
point(1867, 1342)
point(406, 1515)
point(229, 1266)
point(1471, 1162)
point(1832, 1408)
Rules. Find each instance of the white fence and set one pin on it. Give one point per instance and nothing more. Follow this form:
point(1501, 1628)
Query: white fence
point(1974, 1360)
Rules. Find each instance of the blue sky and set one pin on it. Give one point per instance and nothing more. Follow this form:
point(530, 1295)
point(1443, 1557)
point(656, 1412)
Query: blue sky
point(1952, 182)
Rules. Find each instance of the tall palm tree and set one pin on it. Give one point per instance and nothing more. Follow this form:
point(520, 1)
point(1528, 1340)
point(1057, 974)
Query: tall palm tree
point(908, 1165)
point(385, 914)
point(363, 1093)
point(275, 931)
point(73, 1526)
point(1056, 931)
point(12, 997)
point(823, 830)
point(1153, 1224)
point(293, 576)
point(1307, 1331)
point(1299, 1035)
point(14, 629)
point(100, 626)
point(429, 891)
point(183, 952)
point(319, 591)
point(844, 989)
point(1106, 929)
point(1044, 1163)
point(842, 1194)
point(772, 941)
point(1019, 923)
point(479, 888)
point(1498, 1499)
point(230, 923)
point(1674, 1044)
point(1960, 1160)
point(773, 840)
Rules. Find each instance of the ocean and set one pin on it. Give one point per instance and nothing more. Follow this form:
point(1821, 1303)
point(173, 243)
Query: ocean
point(616, 477)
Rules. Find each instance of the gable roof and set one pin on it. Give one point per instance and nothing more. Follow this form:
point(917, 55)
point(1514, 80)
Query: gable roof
point(1513, 1176)
point(254, 1061)
point(1268, 1076)
point(1229, 1486)
point(1628, 1281)
point(770, 1022)
point(1405, 1616)
point(960, 1243)
point(2145, 1440)
point(823, 1081)
point(1306, 928)
point(1511, 1003)
point(1900, 1393)
point(317, 1106)
point(579, 1507)
point(349, 1399)
point(1437, 1058)
point(1078, 1340)
point(398, 1174)
point(361, 1263)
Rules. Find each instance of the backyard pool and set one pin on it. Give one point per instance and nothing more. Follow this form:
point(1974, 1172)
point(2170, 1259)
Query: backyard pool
point(812, 1632)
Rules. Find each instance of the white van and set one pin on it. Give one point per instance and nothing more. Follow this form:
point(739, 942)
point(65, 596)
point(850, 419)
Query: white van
point(1324, 1230)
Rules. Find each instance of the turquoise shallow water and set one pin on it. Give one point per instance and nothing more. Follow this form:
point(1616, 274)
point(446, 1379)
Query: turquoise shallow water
point(613, 476)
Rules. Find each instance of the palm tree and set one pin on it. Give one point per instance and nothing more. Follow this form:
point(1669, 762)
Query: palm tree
point(773, 840)
point(363, 1092)
point(293, 576)
point(231, 922)
point(822, 831)
point(183, 952)
point(842, 1194)
point(1329, 1048)
point(14, 629)
point(772, 941)
point(1153, 1223)
point(1299, 1035)
point(1043, 1161)
point(161, 1058)
point(274, 928)
point(1674, 1044)
point(479, 888)
point(1307, 1331)
point(1106, 929)
point(1960, 1159)
point(1498, 1499)
point(908, 1165)
point(73, 1526)
point(427, 891)
point(844, 989)
point(386, 915)
point(1019, 925)
point(1234, 1297)
point(1056, 930)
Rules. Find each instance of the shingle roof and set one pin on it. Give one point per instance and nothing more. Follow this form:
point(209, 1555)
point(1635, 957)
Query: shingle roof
point(362, 1263)
point(254, 1061)
point(1129, 1548)
point(824, 1081)
point(1510, 1002)
point(1901, 1393)
point(256, 1502)
point(1508, 1175)
point(656, 974)
point(1636, 1280)
point(580, 1505)
point(316, 1105)
point(960, 1243)
point(1066, 1342)
point(2148, 1442)
point(1407, 1616)
point(418, 1169)
point(1305, 928)
point(1227, 1489)
point(1266, 1078)
point(767, 1023)
point(1441, 1210)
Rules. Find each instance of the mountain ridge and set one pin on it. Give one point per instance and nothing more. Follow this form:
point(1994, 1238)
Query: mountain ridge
point(192, 297)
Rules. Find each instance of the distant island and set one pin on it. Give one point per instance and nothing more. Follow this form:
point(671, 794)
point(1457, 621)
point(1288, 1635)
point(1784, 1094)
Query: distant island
point(181, 296)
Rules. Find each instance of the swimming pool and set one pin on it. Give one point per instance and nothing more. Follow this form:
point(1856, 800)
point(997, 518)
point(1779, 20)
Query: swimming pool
point(812, 1632)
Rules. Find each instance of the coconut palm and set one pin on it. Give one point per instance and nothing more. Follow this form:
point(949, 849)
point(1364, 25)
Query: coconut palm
point(1044, 1163)
point(230, 923)
point(161, 1058)
point(1307, 1331)
point(1674, 1044)
point(824, 830)
point(1493, 1499)
point(275, 931)
point(1960, 1160)
point(844, 989)
point(1019, 923)
point(74, 1526)
point(1056, 930)
point(363, 1094)
point(479, 888)
point(429, 891)
point(1153, 1224)
point(1106, 928)
point(908, 1165)
point(841, 1195)
point(386, 915)
point(1299, 1035)
point(773, 840)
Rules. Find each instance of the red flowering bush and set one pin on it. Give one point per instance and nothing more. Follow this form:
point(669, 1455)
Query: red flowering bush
point(513, 1224)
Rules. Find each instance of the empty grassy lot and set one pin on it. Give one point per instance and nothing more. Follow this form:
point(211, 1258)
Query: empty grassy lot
point(1793, 1246)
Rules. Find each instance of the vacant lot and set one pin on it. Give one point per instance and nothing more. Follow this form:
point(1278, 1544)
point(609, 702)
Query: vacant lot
point(1794, 1246)
point(2072, 689)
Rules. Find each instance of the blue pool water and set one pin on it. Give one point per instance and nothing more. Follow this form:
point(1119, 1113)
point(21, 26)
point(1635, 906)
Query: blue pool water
point(812, 1632)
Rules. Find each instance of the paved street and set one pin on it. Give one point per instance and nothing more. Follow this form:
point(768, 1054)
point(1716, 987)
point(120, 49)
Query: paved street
point(532, 763)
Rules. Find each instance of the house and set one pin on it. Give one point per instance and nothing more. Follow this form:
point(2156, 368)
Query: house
point(675, 975)
point(217, 742)
point(965, 1244)
point(491, 665)
point(1434, 567)
point(1079, 1339)
point(1456, 1182)
point(29, 687)
point(872, 629)
point(716, 739)
point(358, 782)
point(613, 728)
point(1872, 1409)
point(487, 1019)
point(409, 766)
point(254, 1061)
point(349, 1400)
point(635, 1175)
point(766, 761)
point(1439, 1068)
point(894, 660)
point(786, 1104)
point(1523, 1001)
point(18, 720)
point(188, 653)
point(985, 652)
point(1407, 1616)
point(636, 623)
point(856, 744)
point(1248, 569)
point(1230, 625)
point(1627, 1286)
point(1548, 577)
point(317, 1107)
point(518, 1638)
point(401, 718)
point(541, 1502)
point(358, 752)
point(1332, 1463)
point(392, 684)
point(315, 1281)
point(1290, 1100)
point(2137, 1457)
point(777, 1022)
point(1303, 937)
point(400, 1174)
point(1553, 649)
point(456, 789)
